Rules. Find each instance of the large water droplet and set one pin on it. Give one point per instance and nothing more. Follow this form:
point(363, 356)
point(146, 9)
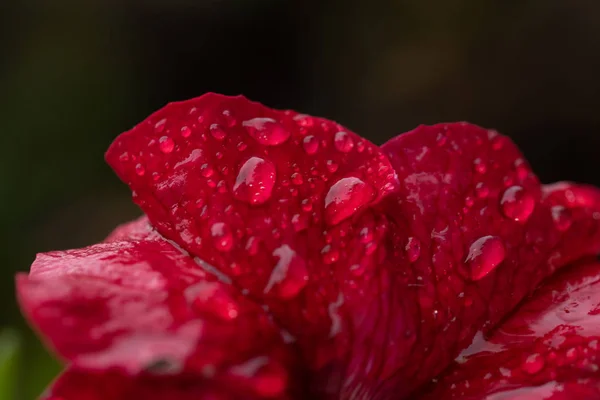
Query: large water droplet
point(222, 237)
point(343, 142)
point(485, 254)
point(345, 197)
point(289, 275)
point(255, 181)
point(517, 203)
point(267, 131)
point(413, 249)
point(533, 364)
point(310, 144)
point(166, 144)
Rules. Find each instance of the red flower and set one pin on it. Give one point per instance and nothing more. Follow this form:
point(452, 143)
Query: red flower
point(285, 257)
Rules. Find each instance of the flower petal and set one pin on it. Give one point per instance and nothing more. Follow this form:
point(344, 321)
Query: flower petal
point(487, 236)
point(74, 384)
point(138, 307)
point(276, 201)
point(549, 348)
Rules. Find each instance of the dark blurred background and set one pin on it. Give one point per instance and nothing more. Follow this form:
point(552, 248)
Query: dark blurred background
point(74, 74)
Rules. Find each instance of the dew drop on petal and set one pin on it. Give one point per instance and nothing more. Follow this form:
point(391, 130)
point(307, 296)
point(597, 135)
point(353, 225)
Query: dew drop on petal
point(255, 181)
point(289, 275)
point(345, 197)
point(266, 131)
point(166, 144)
point(159, 127)
point(413, 249)
point(211, 297)
point(186, 132)
point(310, 144)
point(343, 142)
point(217, 132)
point(533, 364)
point(222, 237)
point(330, 255)
point(485, 254)
point(140, 170)
point(561, 217)
point(517, 204)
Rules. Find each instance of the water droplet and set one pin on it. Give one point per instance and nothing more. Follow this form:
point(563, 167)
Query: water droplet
point(533, 364)
point(310, 144)
point(521, 168)
point(517, 203)
point(159, 127)
point(479, 166)
point(413, 249)
point(186, 132)
point(366, 235)
point(211, 297)
point(267, 131)
point(140, 170)
point(229, 119)
point(343, 142)
point(206, 170)
point(217, 132)
point(289, 275)
point(297, 178)
point(345, 197)
point(255, 181)
point(330, 255)
point(241, 146)
point(166, 144)
point(124, 157)
point(331, 166)
point(481, 190)
point(561, 217)
point(252, 245)
point(222, 237)
point(485, 254)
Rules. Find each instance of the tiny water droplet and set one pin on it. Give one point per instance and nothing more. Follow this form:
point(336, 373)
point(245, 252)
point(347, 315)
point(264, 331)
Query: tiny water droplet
point(166, 144)
point(222, 237)
point(331, 165)
point(255, 181)
point(485, 254)
point(217, 132)
point(310, 144)
point(211, 297)
point(289, 275)
point(186, 132)
point(481, 190)
point(345, 197)
point(140, 170)
point(206, 170)
point(297, 178)
point(413, 249)
point(533, 364)
point(343, 142)
point(267, 131)
point(229, 119)
point(159, 127)
point(517, 204)
point(561, 217)
point(521, 168)
point(330, 255)
point(479, 166)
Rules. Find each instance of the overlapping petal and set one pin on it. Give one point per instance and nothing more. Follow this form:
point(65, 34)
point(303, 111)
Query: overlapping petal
point(143, 308)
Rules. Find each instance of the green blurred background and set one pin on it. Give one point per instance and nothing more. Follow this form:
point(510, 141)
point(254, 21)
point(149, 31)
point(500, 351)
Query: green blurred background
point(74, 74)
